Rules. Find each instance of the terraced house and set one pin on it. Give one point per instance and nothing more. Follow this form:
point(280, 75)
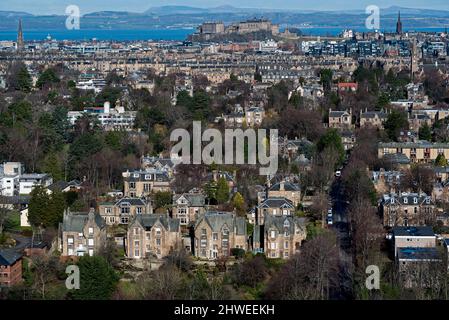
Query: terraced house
point(142, 183)
point(407, 209)
point(187, 207)
point(152, 235)
point(280, 237)
point(416, 152)
point(216, 233)
point(123, 210)
point(81, 233)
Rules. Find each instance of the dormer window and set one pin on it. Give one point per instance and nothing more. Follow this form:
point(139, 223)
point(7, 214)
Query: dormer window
point(405, 200)
point(415, 200)
point(147, 177)
point(136, 175)
point(428, 200)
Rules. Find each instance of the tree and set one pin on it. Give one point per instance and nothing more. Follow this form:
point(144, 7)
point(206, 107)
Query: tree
point(441, 161)
point(45, 210)
point(239, 203)
point(250, 272)
point(326, 79)
point(310, 274)
point(19, 78)
point(331, 140)
point(222, 194)
point(425, 132)
point(47, 78)
point(396, 122)
point(162, 199)
point(98, 279)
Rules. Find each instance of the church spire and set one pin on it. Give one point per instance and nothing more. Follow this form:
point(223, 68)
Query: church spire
point(399, 24)
point(20, 43)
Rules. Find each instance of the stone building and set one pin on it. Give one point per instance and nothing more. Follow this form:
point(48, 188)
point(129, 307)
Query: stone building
point(152, 235)
point(10, 268)
point(81, 233)
point(187, 207)
point(407, 209)
point(142, 183)
point(216, 233)
point(280, 236)
point(123, 210)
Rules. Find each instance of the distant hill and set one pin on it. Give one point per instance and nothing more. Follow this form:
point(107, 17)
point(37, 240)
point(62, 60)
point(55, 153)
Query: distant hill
point(169, 17)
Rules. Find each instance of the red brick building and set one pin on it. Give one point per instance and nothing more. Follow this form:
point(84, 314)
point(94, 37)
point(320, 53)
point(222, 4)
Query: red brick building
point(10, 268)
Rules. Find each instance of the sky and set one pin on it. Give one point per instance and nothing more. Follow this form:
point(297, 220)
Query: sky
point(44, 7)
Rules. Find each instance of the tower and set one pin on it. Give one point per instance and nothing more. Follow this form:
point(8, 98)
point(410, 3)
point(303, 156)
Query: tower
point(399, 24)
point(20, 44)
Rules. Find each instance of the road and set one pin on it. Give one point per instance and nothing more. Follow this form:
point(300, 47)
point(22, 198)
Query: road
point(341, 227)
point(21, 241)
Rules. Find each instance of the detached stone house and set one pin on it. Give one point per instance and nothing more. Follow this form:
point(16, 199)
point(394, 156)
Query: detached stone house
point(216, 233)
point(152, 235)
point(373, 119)
point(144, 183)
point(286, 189)
point(407, 209)
point(81, 233)
point(122, 211)
point(340, 119)
point(274, 206)
point(10, 268)
point(280, 236)
point(187, 207)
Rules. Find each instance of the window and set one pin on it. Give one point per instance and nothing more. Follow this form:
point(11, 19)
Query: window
point(405, 200)
point(108, 210)
point(146, 187)
point(125, 210)
point(91, 252)
point(139, 210)
point(70, 252)
point(132, 185)
point(91, 242)
point(158, 242)
point(124, 220)
point(274, 212)
point(215, 236)
point(203, 232)
point(136, 231)
point(158, 231)
point(286, 245)
point(273, 234)
point(70, 241)
point(112, 219)
point(91, 231)
point(273, 245)
point(137, 253)
point(148, 235)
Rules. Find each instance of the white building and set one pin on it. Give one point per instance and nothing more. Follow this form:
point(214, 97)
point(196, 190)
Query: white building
point(9, 177)
point(28, 181)
point(110, 119)
point(268, 45)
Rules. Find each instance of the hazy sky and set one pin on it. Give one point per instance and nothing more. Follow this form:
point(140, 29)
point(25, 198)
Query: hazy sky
point(86, 6)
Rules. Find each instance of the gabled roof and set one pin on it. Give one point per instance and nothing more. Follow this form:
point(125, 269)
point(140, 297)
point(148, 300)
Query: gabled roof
point(131, 201)
point(149, 220)
point(75, 221)
point(288, 186)
point(277, 202)
point(193, 199)
point(280, 222)
point(8, 257)
point(217, 220)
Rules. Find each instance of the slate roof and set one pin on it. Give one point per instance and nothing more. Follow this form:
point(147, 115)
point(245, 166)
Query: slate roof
point(216, 220)
point(15, 199)
point(398, 158)
point(407, 199)
point(8, 257)
point(288, 186)
point(149, 220)
point(131, 201)
point(424, 231)
point(279, 223)
point(373, 114)
point(413, 253)
point(61, 185)
point(276, 202)
point(142, 174)
point(75, 221)
point(194, 199)
point(418, 144)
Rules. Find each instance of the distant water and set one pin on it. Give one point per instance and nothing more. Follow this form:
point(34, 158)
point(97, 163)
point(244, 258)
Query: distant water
point(119, 35)
point(150, 34)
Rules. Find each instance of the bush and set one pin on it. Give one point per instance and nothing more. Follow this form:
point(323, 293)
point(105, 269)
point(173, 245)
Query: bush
point(238, 253)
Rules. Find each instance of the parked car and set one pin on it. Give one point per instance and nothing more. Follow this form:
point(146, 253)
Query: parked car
point(330, 221)
point(338, 173)
point(329, 213)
